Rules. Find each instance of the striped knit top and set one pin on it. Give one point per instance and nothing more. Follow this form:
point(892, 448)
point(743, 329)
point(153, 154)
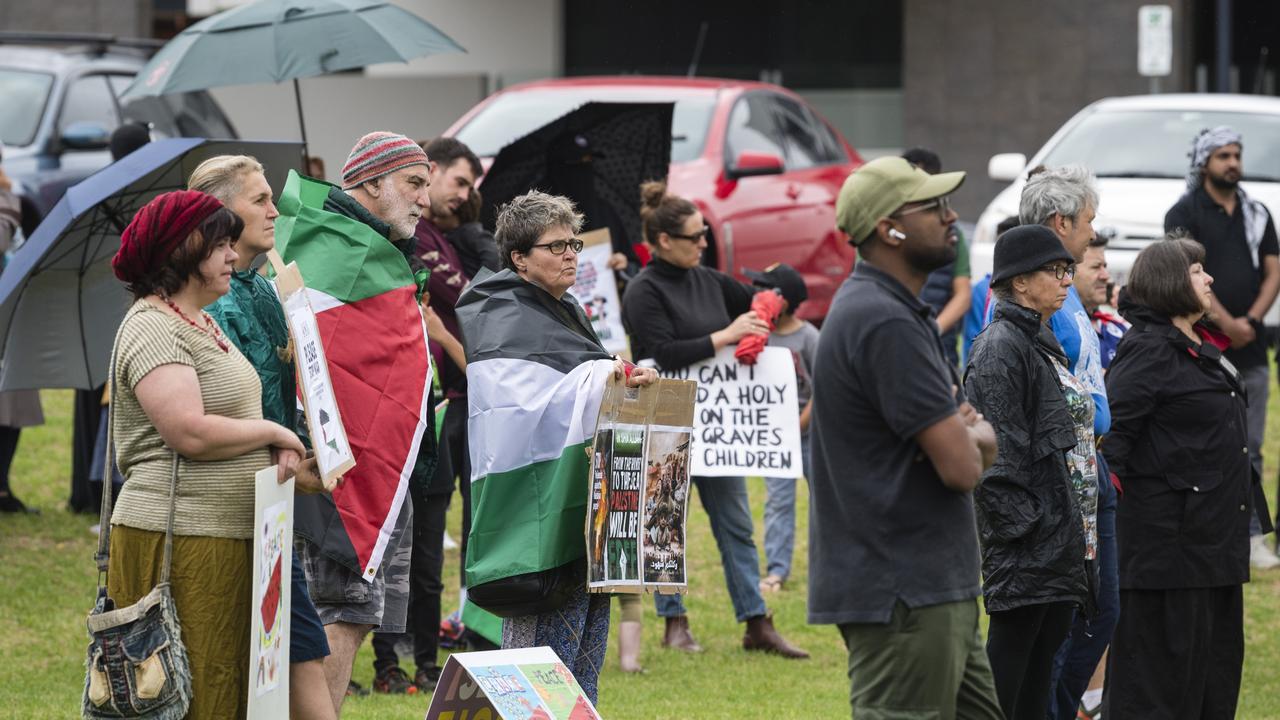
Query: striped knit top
point(215, 498)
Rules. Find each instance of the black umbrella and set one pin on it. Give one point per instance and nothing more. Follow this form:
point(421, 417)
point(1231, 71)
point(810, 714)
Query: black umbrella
point(597, 155)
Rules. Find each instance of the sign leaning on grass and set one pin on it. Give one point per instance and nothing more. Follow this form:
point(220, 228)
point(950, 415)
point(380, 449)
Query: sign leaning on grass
point(747, 421)
point(518, 684)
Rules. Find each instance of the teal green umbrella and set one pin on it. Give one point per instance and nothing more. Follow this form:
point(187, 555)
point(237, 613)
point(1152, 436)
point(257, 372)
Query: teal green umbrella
point(279, 40)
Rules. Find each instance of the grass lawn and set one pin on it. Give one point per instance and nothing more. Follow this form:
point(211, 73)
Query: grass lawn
point(48, 576)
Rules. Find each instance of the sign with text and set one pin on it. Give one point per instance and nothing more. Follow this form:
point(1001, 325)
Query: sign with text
point(328, 437)
point(639, 488)
point(597, 290)
point(747, 420)
point(517, 684)
point(272, 571)
point(1155, 40)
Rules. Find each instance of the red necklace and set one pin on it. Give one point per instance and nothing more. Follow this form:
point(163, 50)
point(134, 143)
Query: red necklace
point(210, 327)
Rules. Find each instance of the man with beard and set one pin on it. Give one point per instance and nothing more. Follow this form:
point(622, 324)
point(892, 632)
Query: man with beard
point(893, 550)
point(1241, 252)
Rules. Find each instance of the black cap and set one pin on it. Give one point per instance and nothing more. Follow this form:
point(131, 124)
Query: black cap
point(1026, 248)
point(783, 277)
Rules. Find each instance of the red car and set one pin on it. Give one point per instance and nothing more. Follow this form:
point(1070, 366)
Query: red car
point(762, 166)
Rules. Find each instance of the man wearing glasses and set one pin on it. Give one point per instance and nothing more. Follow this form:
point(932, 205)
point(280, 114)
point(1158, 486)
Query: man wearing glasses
point(1065, 200)
point(897, 451)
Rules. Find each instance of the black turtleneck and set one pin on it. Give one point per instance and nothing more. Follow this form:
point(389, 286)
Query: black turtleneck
point(670, 312)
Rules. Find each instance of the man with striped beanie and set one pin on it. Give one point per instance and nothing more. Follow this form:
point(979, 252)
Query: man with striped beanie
point(384, 186)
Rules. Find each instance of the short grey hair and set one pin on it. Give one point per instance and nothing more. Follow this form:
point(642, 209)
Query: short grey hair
point(1064, 191)
point(522, 222)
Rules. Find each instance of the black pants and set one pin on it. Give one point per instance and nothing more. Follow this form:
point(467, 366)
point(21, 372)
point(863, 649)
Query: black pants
point(1176, 654)
point(454, 440)
point(425, 586)
point(1021, 644)
point(8, 448)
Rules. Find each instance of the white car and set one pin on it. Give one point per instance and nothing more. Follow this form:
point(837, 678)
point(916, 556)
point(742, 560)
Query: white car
point(1138, 147)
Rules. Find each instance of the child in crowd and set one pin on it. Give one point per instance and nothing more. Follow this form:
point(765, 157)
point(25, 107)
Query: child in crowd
point(801, 338)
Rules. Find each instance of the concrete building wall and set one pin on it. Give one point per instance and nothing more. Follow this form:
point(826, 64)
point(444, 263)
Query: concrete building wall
point(338, 109)
point(1003, 75)
point(127, 18)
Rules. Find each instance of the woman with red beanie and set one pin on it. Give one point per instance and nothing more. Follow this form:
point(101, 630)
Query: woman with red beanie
point(184, 395)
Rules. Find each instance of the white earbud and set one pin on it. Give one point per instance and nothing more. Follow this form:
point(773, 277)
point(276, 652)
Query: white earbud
point(893, 233)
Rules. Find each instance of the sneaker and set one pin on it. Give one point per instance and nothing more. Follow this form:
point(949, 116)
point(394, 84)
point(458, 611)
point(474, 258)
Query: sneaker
point(393, 682)
point(1262, 557)
point(355, 689)
point(451, 631)
point(449, 542)
point(426, 678)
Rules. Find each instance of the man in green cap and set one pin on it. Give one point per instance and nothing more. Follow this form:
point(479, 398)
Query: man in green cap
point(893, 549)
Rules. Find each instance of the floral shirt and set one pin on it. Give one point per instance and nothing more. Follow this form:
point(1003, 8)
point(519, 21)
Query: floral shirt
point(1082, 460)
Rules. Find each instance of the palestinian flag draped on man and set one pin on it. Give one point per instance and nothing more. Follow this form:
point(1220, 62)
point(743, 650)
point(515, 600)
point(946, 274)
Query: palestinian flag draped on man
point(365, 297)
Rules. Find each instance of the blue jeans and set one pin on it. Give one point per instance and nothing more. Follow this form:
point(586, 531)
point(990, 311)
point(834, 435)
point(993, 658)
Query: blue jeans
point(1076, 660)
point(780, 518)
point(725, 500)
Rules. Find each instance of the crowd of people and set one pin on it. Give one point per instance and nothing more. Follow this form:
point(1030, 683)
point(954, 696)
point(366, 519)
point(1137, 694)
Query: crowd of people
point(1085, 458)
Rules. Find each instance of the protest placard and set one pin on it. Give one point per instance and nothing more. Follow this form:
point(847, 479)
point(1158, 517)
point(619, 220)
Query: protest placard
point(747, 420)
point(639, 489)
point(518, 684)
point(272, 570)
point(597, 290)
point(328, 437)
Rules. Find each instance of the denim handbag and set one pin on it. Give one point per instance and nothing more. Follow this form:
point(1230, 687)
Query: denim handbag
point(137, 665)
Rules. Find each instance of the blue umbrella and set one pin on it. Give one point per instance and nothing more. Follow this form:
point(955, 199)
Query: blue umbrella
point(60, 303)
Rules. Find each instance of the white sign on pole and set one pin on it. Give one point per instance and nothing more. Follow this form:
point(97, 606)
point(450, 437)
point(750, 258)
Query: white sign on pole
point(747, 418)
point(272, 600)
point(597, 290)
point(1155, 40)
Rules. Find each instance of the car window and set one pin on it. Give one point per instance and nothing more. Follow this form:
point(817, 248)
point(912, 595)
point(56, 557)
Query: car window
point(805, 146)
point(832, 150)
point(23, 95)
point(191, 114)
point(753, 125)
point(513, 115)
point(89, 99)
point(1155, 143)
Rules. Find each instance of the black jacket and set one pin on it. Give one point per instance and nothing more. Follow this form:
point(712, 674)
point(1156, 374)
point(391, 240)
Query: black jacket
point(1179, 444)
point(1029, 522)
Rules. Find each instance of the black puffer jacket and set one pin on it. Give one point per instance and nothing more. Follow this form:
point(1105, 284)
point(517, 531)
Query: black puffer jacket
point(1029, 523)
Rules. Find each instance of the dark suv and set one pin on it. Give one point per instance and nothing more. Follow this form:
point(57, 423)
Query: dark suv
point(59, 103)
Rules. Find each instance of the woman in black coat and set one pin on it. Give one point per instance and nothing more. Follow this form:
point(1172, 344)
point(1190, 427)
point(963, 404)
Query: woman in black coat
point(1029, 521)
point(1179, 446)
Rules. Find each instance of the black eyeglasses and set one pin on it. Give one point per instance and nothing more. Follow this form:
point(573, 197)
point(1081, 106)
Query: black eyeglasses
point(1061, 271)
point(557, 247)
point(942, 205)
point(692, 238)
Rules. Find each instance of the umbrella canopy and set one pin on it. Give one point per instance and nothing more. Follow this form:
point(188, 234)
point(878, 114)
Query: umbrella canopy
point(278, 40)
point(596, 155)
point(60, 303)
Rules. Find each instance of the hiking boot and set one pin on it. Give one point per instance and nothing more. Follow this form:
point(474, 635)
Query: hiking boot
point(762, 636)
point(393, 681)
point(426, 678)
point(355, 689)
point(677, 635)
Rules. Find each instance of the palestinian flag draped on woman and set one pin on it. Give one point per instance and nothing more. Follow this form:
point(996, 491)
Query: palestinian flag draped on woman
point(536, 373)
point(366, 302)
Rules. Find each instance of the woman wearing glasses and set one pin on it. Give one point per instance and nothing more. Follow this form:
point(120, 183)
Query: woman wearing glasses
point(678, 312)
point(536, 373)
point(1030, 524)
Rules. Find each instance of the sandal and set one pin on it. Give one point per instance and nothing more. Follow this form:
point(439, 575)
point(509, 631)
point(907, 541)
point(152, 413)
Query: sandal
point(771, 583)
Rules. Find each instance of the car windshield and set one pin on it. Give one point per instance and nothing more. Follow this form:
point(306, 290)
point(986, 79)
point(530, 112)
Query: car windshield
point(23, 94)
point(514, 115)
point(1156, 143)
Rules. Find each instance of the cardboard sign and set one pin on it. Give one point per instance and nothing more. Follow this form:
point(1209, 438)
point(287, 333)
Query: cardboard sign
point(639, 491)
point(328, 437)
point(518, 684)
point(748, 419)
point(597, 290)
point(272, 599)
